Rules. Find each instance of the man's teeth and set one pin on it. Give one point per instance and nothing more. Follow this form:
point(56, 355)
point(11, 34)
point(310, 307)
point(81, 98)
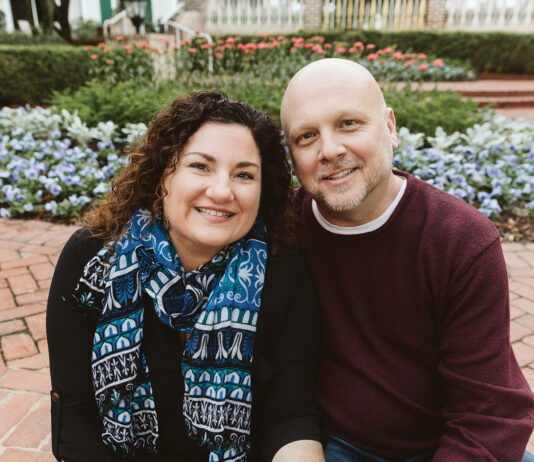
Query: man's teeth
point(215, 213)
point(341, 174)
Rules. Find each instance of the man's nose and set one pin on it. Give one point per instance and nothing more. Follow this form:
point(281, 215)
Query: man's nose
point(220, 189)
point(331, 147)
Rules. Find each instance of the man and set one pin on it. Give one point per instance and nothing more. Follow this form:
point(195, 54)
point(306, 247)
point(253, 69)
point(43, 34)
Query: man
point(416, 362)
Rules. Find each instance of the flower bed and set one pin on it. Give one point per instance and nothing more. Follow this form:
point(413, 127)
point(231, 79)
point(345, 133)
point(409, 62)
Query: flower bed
point(269, 58)
point(47, 165)
point(54, 164)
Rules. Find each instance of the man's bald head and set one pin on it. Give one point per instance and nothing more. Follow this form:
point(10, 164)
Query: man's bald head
point(316, 78)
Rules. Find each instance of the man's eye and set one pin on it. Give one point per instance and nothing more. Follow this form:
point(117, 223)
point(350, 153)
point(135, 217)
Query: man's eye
point(348, 123)
point(304, 137)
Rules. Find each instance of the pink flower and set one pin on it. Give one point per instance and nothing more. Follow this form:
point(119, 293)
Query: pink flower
point(421, 56)
point(341, 49)
point(94, 56)
point(409, 63)
point(119, 38)
point(359, 45)
point(423, 67)
point(371, 46)
point(438, 62)
point(218, 55)
point(328, 45)
point(372, 56)
point(89, 47)
point(387, 50)
point(263, 35)
point(262, 45)
point(398, 55)
point(167, 42)
point(108, 61)
point(192, 50)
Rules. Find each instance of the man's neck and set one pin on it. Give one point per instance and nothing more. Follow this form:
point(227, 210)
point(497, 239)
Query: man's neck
point(374, 205)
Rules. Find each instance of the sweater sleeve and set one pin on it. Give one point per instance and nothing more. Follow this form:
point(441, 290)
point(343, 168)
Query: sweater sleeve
point(489, 404)
point(76, 433)
point(286, 406)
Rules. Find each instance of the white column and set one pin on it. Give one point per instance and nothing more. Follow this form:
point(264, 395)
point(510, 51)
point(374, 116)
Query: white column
point(5, 6)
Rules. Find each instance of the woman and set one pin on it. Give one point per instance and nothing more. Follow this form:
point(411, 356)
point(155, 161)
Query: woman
point(179, 327)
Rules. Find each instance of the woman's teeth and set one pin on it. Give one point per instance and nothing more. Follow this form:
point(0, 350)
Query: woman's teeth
point(215, 213)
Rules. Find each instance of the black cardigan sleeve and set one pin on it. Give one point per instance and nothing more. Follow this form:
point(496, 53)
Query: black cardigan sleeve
point(285, 358)
point(76, 433)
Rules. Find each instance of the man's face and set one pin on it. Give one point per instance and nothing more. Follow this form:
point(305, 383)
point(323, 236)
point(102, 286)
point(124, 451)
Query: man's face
point(341, 138)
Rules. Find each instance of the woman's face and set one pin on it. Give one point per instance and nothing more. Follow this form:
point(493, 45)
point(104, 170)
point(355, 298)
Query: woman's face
point(213, 196)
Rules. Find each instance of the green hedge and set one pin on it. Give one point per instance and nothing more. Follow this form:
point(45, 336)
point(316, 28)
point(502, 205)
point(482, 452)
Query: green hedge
point(21, 38)
point(500, 52)
point(30, 73)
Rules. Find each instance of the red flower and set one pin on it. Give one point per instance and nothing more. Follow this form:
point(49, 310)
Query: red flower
point(119, 38)
point(398, 55)
point(328, 45)
point(94, 56)
point(423, 67)
point(218, 55)
point(192, 50)
point(341, 49)
point(372, 56)
point(421, 56)
point(438, 62)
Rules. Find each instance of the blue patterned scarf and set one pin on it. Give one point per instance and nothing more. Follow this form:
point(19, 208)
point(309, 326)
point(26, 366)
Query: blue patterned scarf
point(217, 304)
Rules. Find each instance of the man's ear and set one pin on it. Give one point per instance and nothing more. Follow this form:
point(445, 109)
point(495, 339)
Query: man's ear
point(392, 124)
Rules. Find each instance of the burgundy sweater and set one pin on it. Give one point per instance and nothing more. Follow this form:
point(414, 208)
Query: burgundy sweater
point(416, 347)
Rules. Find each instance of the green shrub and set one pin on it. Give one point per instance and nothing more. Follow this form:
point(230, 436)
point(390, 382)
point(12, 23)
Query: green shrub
point(126, 102)
point(20, 38)
point(129, 102)
point(423, 111)
point(30, 73)
point(486, 51)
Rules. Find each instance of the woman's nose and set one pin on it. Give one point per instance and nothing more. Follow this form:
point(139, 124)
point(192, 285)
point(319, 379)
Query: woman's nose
point(220, 190)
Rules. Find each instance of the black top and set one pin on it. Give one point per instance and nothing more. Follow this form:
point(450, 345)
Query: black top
point(283, 368)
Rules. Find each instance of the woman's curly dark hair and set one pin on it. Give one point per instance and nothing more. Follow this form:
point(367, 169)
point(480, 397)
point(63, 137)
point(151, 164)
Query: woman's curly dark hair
point(154, 157)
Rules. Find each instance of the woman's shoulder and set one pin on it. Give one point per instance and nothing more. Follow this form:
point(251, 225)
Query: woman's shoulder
point(82, 245)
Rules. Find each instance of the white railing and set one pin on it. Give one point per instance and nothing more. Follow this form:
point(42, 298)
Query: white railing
point(253, 16)
point(120, 24)
point(190, 33)
point(374, 14)
point(509, 15)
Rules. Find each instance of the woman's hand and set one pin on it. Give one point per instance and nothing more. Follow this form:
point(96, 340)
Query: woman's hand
point(300, 451)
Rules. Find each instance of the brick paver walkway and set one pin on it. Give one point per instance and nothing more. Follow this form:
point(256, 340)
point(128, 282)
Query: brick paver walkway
point(28, 253)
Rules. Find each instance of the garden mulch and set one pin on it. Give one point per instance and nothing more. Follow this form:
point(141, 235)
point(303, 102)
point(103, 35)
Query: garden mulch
point(28, 254)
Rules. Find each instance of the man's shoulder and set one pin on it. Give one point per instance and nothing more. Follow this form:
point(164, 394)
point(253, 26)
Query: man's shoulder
point(448, 217)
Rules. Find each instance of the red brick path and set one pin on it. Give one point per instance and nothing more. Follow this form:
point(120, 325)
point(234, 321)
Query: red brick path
point(28, 252)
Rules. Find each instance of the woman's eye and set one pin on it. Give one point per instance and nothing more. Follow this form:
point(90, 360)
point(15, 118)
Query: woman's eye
point(199, 166)
point(245, 176)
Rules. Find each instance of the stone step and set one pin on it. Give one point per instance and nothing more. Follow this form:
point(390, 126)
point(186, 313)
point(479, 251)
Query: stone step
point(506, 101)
point(496, 93)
